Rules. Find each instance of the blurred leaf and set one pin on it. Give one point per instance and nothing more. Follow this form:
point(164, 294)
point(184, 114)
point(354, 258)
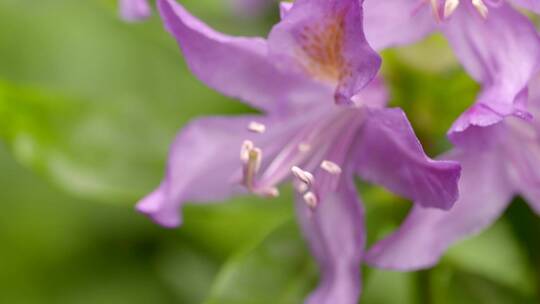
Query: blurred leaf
point(383, 287)
point(384, 210)
point(189, 273)
point(81, 148)
point(489, 268)
point(56, 249)
point(115, 96)
point(451, 286)
point(432, 99)
point(224, 228)
point(277, 268)
point(496, 255)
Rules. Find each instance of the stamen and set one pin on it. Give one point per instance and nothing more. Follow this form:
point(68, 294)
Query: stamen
point(311, 199)
point(304, 176)
point(331, 167)
point(301, 187)
point(269, 192)
point(480, 7)
point(247, 146)
point(450, 7)
point(304, 147)
point(256, 127)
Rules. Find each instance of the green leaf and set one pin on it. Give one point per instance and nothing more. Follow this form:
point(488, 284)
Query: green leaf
point(496, 255)
point(382, 287)
point(432, 96)
point(453, 286)
point(105, 101)
point(275, 269)
point(57, 249)
point(83, 149)
point(489, 268)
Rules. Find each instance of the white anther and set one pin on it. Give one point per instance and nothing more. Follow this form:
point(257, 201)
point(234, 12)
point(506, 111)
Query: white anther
point(450, 7)
point(303, 147)
point(247, 146)
point(301, 187)
point(480, 7)
point(330, 167)
point(256, 127)
point(269, 192)
point(304, 176)
point(311, 199)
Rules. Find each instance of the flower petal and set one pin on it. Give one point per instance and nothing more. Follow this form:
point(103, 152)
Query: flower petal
point(502, 52)
point(427, 233)
point(532, 5)
point(238, 67)
point(204, 164)
point(335, 232)
point(391, 155)
point(522, 143)
point(397, 22)
point(529, 174)
point(374, 95)
point(284, 8)
point(134, 10)
point(324, 40)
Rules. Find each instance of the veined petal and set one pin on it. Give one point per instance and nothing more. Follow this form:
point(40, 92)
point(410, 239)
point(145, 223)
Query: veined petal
point(532, 5)
point(204, 165)
point(374, 95)
point(324, 40)
point(396, 22)
point(134, 10)
point(335, 232)
point(389, 154)
point(522, 147)
point(526, 148)
point(502, 52)
point(235, 66)
point(426, 233)
point(488, 114)
point(528, 166)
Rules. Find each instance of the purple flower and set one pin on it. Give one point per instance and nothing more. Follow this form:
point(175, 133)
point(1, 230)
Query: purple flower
point(496, 141)
point(316, 55)
point(498, 163)
point(496, 44)
point(134, 10)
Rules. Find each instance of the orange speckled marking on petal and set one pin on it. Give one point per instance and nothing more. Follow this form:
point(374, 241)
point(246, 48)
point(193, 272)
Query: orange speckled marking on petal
point(321, 48)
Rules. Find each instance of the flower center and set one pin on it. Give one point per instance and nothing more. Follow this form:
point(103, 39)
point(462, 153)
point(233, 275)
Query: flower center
point(312, 156)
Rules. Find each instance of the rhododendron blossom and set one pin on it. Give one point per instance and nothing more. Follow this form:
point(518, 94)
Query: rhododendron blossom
point(497, 45)
point(495, 140)
point(324, 122)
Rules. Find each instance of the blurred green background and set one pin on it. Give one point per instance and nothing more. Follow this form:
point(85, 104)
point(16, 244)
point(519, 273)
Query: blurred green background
point(88, 108)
